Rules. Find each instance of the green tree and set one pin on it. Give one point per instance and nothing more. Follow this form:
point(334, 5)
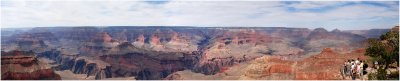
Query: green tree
point(385, 51)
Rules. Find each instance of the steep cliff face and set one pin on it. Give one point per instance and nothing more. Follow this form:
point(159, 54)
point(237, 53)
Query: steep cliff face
point(79, 64)
point(84, 65)
point(19, 65)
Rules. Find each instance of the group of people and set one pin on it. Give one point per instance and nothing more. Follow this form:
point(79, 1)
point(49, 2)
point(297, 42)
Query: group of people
point(354, 68)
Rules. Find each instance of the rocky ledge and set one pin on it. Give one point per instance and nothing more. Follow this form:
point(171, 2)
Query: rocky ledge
point(20, 65)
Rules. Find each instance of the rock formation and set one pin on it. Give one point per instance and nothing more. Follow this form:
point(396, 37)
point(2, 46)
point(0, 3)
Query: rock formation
point(79, 65)
point(140, 39)
point(155, 40)
point(103, 37)
point(19, 65)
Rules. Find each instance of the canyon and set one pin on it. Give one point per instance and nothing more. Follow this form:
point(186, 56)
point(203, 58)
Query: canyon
point(188, 53)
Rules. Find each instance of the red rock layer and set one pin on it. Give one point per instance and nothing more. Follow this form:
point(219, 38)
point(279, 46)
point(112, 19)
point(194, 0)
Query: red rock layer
point(44, 74)
point(103, 37)
point(245, 37)
point(324, 66)
point(18, 65)
point(155, 40)
point(106, 37)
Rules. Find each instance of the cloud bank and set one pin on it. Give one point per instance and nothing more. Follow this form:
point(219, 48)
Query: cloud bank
point(306, 14)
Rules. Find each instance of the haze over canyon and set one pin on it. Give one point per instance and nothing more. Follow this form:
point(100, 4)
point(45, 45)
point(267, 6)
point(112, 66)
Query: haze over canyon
point(179, 53)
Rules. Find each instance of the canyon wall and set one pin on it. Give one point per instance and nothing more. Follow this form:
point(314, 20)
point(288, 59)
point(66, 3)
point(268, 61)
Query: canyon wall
point(158, 52)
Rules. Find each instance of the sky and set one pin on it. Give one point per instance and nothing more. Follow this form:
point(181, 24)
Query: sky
point(343, 15)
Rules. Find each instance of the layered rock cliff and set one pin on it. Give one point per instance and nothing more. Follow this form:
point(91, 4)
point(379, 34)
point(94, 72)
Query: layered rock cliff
point(79, 64)
point(20, 65)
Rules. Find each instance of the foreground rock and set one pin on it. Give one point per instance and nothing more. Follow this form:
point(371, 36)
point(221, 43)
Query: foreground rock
point(19, 65)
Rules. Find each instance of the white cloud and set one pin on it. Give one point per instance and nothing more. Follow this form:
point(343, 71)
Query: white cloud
point(192, 13)
point(315, 4)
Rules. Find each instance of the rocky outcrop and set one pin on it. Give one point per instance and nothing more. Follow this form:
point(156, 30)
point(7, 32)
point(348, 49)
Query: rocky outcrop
point(121, 36)
point(103, 37)
point(79, 64)
point(19, 65)
point(44, 74)
point(213, 66)
point(140, 39)
point(155, 40)
point(175, 37)
point(91, 68)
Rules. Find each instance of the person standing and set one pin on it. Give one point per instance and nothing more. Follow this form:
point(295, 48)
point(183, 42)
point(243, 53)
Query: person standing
point(344, 70)
point(361, 70)
point(376, 65)
point(353, 71)
point(348, 68)
point(357, 61)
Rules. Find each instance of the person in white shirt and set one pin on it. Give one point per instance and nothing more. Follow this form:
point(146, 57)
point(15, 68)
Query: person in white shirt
point(361, 70)
point(353, 71)
point(357, 61)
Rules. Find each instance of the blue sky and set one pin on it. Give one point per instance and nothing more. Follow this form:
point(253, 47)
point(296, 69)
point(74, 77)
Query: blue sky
point(344, 15)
